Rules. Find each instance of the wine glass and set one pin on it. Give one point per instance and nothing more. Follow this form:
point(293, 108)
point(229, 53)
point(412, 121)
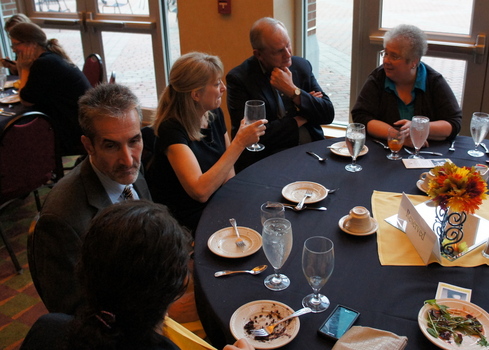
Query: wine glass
point(271, 210)
point(420, 128)
point(277, 244)
point(254, 110)
point(317, 265)
point(479, 125)
point(355, 140)
point(395, 140)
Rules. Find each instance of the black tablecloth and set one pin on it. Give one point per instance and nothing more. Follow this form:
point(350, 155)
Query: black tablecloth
point(388, 297)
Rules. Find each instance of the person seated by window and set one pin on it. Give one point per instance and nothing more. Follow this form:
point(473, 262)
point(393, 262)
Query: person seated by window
point(403, 87)
point(9, 24)
point(133, 265)
point(193, 154)
point(50, 82)
point(296, 105)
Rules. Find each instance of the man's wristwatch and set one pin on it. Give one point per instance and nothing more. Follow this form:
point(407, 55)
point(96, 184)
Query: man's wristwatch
point(297, 92)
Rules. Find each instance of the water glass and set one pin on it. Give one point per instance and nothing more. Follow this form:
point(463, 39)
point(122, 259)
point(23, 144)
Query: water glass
point(277, 244)
point(419, 131)
point(355, 140)
point(271, 210)
point(479, 125)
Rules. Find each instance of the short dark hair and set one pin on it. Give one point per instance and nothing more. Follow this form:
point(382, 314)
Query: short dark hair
point(134, 264)
point(105, 100)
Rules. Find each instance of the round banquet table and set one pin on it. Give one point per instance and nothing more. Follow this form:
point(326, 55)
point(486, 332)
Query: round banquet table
point(387, 297)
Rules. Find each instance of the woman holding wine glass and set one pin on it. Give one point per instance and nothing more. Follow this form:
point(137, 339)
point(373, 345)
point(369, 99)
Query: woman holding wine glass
point(403, 87)
point(193, 155)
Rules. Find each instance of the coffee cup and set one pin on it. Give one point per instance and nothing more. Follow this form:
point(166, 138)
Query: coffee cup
point(359, 220)
point(425, 178)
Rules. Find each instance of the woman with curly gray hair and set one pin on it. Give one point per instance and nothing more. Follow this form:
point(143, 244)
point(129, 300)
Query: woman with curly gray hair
point(403, 87)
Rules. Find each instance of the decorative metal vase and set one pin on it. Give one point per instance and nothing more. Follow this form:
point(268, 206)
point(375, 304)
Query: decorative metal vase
point(449, 226)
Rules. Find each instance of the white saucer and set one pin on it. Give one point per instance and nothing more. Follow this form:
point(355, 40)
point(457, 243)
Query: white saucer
point(294, 191)
point(340, 149)
point(374, 229)
point(223, 242)
point(419, 184)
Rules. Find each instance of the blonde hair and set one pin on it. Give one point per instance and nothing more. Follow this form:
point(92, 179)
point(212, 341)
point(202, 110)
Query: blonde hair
point(190, 72)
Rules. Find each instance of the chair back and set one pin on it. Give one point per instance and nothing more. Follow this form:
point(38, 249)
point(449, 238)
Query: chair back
point(94, 69)
point(29, 156)
point(149, 139)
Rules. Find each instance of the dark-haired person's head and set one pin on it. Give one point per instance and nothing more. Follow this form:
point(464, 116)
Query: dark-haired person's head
point(110, 119)
point(133, 266)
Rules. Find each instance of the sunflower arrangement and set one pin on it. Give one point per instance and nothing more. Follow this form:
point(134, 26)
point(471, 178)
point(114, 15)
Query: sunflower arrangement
point(457, 188)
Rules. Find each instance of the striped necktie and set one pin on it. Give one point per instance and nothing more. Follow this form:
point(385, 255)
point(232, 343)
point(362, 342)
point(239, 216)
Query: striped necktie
point(127, 193)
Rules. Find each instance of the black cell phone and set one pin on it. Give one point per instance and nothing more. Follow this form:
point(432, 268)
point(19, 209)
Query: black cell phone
point(338, 322)
point(8, 61)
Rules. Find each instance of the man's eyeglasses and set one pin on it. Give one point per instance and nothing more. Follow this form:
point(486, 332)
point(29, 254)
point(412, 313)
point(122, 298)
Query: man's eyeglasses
point(14, 45)
point(391, 56)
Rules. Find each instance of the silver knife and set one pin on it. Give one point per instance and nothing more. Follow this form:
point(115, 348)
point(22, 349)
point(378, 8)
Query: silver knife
point(485, 147)
point(380, 143)
point(290, 206)
point(432, 153)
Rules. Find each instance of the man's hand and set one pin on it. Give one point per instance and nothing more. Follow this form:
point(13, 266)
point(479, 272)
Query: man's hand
point(281, 79)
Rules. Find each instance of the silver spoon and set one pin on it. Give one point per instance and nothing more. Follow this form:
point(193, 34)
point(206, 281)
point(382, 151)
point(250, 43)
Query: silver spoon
point(315, 155)
point(254, 271)
point(452, 147)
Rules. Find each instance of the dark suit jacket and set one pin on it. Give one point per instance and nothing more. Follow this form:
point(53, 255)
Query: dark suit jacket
point(248, 82)
point(58, 236)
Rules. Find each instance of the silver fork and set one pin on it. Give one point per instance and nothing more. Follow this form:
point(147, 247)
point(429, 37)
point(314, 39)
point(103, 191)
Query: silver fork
point(265, 331)
point(239, 241)
point(301, 203)
point(452, 146)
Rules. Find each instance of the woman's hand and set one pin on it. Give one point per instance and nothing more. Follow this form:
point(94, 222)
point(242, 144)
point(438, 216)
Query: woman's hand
point(27, 56)
point(241, 344)
point(249, 134)
point(405, 127)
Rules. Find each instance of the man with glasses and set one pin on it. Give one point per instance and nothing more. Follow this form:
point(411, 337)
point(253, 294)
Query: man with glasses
point(295, 104)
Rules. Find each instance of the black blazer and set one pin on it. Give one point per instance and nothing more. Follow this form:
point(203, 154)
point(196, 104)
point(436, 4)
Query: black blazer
point(58, 236)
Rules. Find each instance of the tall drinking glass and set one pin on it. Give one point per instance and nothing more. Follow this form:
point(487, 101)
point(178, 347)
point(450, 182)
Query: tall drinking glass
point(317, 265)
point(254, 110)
point(271, 210)
point(395, 140)
point(419, 131)
point(3, 80)
point(355, 140)
point(479, 125)
point(277, 244)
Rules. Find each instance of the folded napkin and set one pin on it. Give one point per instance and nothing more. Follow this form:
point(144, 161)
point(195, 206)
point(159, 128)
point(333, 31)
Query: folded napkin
point(395, 248)
point(183, 337)
point(366, 338)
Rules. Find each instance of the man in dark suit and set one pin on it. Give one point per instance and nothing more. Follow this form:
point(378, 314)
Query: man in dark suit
point(295, 104)
point(110, 118)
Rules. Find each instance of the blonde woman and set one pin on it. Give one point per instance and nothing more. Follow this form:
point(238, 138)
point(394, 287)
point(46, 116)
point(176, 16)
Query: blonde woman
point(194, 155)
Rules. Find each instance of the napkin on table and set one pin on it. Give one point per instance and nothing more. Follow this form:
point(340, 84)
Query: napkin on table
point(366, 338)
point(395, 248)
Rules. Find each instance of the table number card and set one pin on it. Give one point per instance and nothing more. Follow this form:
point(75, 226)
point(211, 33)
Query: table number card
point(424, 163)
point(418, 231)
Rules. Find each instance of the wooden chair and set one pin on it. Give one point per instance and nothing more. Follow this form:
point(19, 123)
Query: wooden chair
point(93, 68)
point(29, 160)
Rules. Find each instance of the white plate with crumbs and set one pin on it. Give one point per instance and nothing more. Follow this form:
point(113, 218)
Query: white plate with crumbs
point(259, 313)
point(223, 242)
point(10, 99)
point(340, 149)
point(295, 191)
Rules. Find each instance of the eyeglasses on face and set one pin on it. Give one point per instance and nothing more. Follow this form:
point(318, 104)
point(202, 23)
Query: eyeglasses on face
point(391, 56)
point(14, 45)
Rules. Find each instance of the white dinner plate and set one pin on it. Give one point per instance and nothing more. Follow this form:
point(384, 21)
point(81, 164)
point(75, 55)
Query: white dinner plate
point(375, 227)
point(341, 149)
point(10, 99)
point(262, 313)
point(223, 242)
point(468, 342)
point(295, 191)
